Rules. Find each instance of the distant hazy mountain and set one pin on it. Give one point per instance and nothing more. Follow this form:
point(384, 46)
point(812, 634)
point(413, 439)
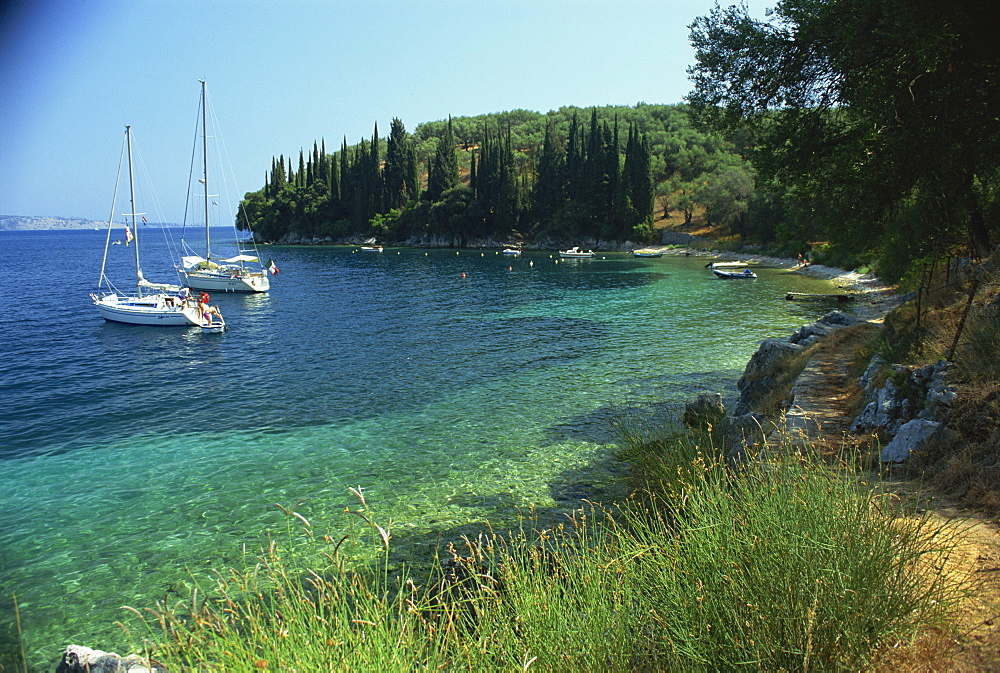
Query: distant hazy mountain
point(13, 222)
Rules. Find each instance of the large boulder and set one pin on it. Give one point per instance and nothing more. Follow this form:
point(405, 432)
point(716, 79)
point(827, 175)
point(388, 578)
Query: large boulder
point(760, 376)
point(707, 410)
point(912, 436)
point(885, 414)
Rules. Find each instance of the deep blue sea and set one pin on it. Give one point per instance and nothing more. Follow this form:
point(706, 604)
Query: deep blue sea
point(454, 387)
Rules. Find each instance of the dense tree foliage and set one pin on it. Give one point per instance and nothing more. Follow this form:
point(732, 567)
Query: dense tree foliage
point(872, 123)
point(564, 176)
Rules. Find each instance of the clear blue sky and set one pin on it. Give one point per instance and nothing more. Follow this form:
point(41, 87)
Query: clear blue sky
point(282, 74)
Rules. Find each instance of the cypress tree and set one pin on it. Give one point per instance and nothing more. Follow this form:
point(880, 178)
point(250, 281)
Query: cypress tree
point(278, 175)
point(641, 190)
point(375, 187)
point(346, 183)
point(443, 173)
point(549, 192)
point(412, 172)
point(575, 168)
point(397, 175)
point(324, 172)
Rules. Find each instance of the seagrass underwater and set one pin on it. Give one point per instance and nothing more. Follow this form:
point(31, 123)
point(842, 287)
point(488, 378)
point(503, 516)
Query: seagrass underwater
point(135, 457)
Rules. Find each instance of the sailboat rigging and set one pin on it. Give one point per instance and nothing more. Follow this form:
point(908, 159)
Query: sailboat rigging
point(153, 303)
point(240, 273)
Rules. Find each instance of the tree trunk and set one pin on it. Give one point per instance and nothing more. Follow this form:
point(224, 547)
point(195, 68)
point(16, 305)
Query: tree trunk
point(950, 353)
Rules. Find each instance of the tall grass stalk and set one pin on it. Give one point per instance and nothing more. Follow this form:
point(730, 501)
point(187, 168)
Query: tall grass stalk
point(20, 636)
point(784, 566)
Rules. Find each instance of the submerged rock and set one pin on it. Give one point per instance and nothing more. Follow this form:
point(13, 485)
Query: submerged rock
point(707, 410)
point(80, 659)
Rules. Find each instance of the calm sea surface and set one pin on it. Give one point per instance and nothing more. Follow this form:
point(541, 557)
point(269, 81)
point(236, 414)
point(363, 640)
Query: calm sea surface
point(132, 458)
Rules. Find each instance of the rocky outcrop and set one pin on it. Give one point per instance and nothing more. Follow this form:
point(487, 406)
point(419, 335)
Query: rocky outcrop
point(809, 334)
point(897, 394)
point(761, 373)
point(904, 406)
point(80, 659)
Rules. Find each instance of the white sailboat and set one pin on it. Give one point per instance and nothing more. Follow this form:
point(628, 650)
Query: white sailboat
point(152, 303)
point(240, 273)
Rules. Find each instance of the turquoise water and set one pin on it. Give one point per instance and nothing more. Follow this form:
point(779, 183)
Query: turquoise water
point(134, 457)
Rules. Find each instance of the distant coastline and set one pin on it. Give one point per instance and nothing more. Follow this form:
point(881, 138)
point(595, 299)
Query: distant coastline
point(39, 223)
point(22, 222)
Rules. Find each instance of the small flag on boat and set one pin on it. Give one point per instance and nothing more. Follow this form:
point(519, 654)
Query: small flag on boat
point(128, 235)
point(272, 267)
point(144, 220)
point(215, 202)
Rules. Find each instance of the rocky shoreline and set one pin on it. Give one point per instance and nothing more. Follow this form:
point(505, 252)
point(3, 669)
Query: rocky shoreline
point(903, 406)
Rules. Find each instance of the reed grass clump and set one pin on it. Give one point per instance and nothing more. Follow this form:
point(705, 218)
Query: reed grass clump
point(777, 565)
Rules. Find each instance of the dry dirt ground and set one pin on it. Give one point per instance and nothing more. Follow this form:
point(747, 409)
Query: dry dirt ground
point(821, 406)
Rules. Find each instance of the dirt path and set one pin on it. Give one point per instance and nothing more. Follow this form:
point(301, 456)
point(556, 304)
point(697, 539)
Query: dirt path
point(820, 410)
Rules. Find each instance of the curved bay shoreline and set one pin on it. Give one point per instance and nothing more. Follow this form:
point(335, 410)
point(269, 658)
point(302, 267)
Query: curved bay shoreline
point(873, 299)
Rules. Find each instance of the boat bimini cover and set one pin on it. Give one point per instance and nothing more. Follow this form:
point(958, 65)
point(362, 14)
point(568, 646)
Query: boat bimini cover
point(195, 262)
point(240, 258)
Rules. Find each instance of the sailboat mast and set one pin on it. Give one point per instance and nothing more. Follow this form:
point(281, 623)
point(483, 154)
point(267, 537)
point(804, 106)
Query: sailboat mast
point(131, 187)
point(204, 147)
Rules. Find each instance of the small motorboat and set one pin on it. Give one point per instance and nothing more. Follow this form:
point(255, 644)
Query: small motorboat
point(745, 273)
point(576, 253)
point(647, 252)
point(371, 248)
point(512, 251)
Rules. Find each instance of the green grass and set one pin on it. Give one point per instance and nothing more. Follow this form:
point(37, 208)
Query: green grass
point(778, 565)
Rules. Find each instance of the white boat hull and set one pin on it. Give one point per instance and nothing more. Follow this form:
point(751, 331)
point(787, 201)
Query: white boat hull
point(151, 310)
point(576, 253)
point(219, 282)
